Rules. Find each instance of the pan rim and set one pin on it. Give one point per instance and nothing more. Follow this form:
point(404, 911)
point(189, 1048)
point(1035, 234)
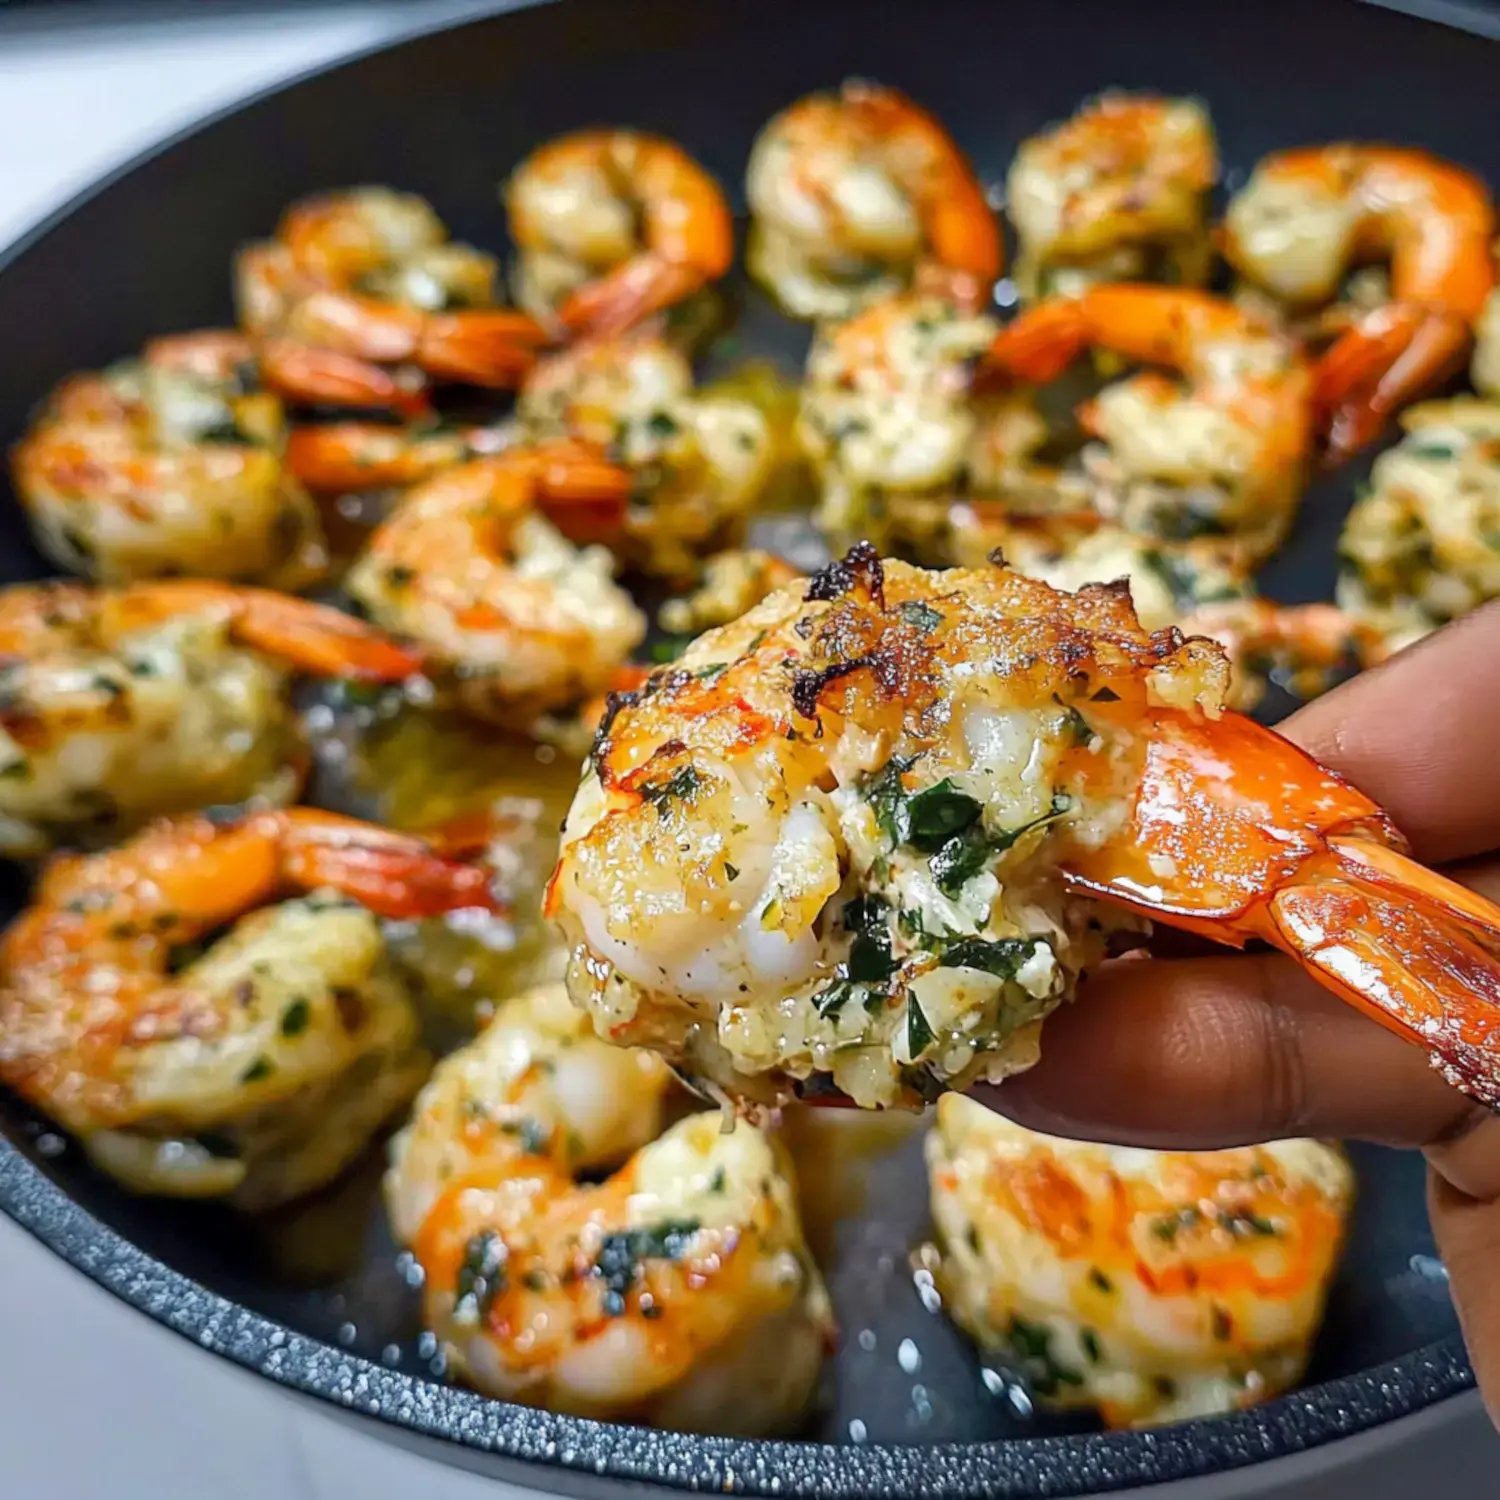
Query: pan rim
point(550, 1444)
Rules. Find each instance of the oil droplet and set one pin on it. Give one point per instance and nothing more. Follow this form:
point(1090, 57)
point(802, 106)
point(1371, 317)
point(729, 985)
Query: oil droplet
point(931, 1298)
point(1006, 294)
point(427, 1344)
point(909, 1357)
point(347, 1334)
point(1428, 1267)
point(391, 1355)
point(858, 1432)
point(49, 1143)
point(866, 1340)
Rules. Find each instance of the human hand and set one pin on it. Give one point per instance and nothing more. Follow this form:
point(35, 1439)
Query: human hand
point(1195, 1053)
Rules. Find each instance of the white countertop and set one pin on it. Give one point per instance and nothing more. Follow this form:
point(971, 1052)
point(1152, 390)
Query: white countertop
point(95, 1400)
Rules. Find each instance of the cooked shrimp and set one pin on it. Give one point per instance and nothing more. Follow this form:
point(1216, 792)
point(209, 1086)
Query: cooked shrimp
point(362, 300)
point(469, 566)
point(1153, 1285)
point(1116, 193)
point(888, 415)
point(170, 463)
point(1204, 586)
point(613, 226)
point(678, 1293)
point(117, 706)
point(699, 461)
point(731, 583)
point(1225, 452)
point(1306, 216)
point(536, 1082)
point(1422, 545)
point(875, 829)
point(858, 194)
point(257, 1069)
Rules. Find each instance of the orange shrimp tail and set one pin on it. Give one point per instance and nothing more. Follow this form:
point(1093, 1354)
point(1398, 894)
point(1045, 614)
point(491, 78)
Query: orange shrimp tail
point(1393, 356)
point(344, 456)
point(325, 377)
point(493, 348)
point(393, 874)
point(581, 492)
point(1039, 345)
point(322, 641)
point(1409, 948)
point(615, 303)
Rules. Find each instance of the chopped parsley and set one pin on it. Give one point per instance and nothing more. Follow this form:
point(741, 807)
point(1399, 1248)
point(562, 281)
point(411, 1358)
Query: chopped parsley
point(481, 1277)
point(619, 1262)
point(712, 672)
point(260, 1068)
point(919, 1033)
point(670, 647)
point(532, 1134)
point(1079, 727)
point(1091, 1347)
point(681, 786)
point(295, 1017)
point(932, 817)
point(922, 616)
point(1031, 1343)
point(1001, 957)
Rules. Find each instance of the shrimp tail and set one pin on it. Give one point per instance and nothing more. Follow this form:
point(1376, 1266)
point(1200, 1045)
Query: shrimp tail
point(339, 457)
point(1408, 947)
point(326, 377)
point(1393, 356)
point(614, 304)
point(1039, 345)
point(322, 641)
point(494, 348)
point(393, 874)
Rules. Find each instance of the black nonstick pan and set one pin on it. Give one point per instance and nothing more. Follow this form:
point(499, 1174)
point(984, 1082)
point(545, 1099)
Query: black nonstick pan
point(908, 1410)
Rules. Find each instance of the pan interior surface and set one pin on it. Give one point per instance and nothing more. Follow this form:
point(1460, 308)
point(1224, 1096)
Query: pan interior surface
point(447, 116)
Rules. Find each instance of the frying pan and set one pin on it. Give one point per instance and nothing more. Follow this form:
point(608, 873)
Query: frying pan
point(908, 1409)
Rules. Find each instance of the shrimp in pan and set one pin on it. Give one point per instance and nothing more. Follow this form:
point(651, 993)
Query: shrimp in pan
point(1116, 193)
point(172, 463)
point(257, 1067)
point(699, 460)
point(613, 226)
point(678, 1292)
point(119, 705)
point(472, 567)
point(1307, 216)
point(860, 193)
point(1421, 546)
point(361, 300)
point(871, 833)
point(1225, 451)
point(890, 420)
point(1203, 586)
point(1152, 1285)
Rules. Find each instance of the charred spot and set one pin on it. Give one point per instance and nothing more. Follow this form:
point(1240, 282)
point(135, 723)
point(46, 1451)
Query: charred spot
point(808, 683)
point(858, 572)
point(614, 704)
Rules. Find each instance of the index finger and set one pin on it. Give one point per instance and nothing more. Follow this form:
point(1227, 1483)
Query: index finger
point(1419, 734)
